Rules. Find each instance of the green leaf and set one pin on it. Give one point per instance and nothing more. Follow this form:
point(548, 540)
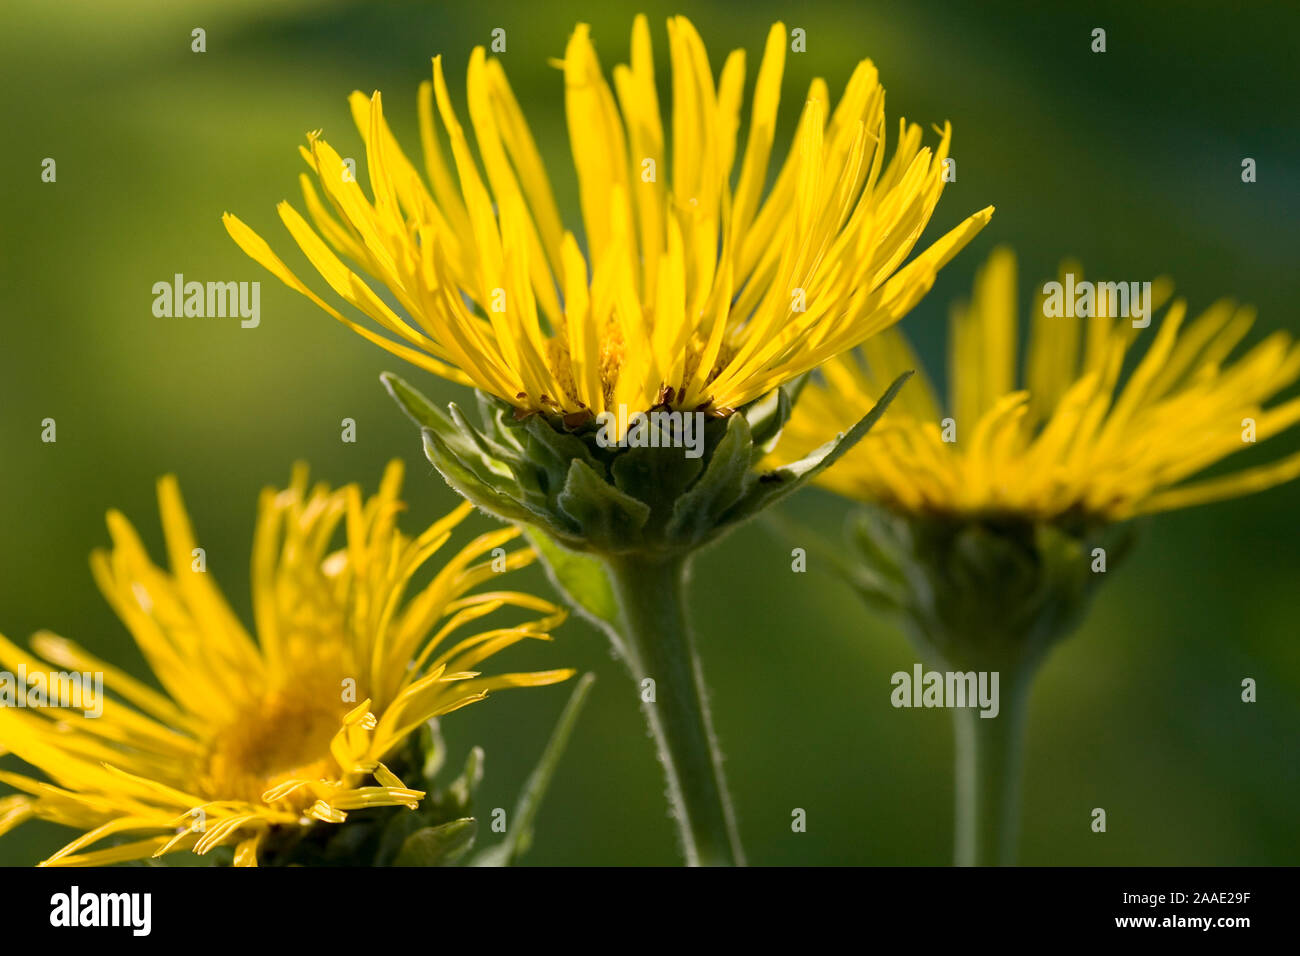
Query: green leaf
point(474, 465)
point(492, 412)
point(767, 418)
point(399, 828)
point(469, 485)
point(462, 788)
point(774, 485)
point(501, 460)
point(418, 408)
point(879, 573)
point(519, 833)
point(581, 578)
point(655, 475)
point(602, 513)
point(438, 846)
point(795, 386)
point(724, 482)
point(432, 748)
point(554, 450)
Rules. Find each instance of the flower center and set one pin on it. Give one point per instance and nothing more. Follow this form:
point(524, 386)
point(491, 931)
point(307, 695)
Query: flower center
point(285, 736)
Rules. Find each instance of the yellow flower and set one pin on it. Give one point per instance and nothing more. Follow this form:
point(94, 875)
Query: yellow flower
point(693, 293)
point(1073, 444)
point(287, 730)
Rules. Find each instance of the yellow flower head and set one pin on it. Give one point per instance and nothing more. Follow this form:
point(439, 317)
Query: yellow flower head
point(694, 293)
point(1073, 444)
point(283, 731)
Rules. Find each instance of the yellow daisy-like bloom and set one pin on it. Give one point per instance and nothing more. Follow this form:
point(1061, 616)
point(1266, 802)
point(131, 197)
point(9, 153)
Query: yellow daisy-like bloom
point(693, 293)
point(1073, 444)
point(288, 730)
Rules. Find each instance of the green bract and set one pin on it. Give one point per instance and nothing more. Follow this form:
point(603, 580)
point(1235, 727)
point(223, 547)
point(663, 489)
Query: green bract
point(981, 594)
point(618, 500)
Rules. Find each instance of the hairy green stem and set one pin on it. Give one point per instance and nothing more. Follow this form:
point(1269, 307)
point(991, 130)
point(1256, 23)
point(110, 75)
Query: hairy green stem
point(656, 645)
point(988, 770)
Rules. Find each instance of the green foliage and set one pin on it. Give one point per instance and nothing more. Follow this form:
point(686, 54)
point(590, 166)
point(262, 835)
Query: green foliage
point(437, 846)
point(519, 833)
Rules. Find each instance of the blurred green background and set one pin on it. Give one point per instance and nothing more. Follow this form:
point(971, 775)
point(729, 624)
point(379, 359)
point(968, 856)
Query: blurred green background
point(1129, 160)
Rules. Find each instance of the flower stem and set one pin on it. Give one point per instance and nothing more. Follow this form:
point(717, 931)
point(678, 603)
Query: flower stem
point(988, 766)
point(656, 644)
